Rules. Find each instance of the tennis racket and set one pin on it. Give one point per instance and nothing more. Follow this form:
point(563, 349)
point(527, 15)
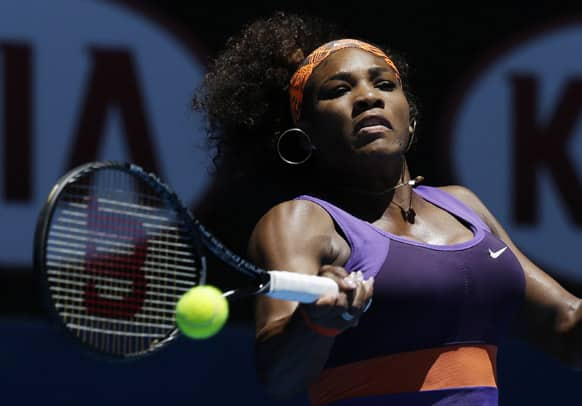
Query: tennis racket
point(116, 249)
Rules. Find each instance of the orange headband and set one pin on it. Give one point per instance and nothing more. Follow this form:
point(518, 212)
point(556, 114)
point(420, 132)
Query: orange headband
point(303, 73)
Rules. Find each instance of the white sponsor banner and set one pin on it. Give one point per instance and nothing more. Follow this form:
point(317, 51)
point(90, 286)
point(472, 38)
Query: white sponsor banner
point(516, 140)
point(84, 80)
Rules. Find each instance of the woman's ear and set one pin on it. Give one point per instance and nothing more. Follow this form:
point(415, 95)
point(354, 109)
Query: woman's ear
point(412, 127)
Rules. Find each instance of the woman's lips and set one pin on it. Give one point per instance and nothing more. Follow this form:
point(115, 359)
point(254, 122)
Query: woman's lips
point(372, 124)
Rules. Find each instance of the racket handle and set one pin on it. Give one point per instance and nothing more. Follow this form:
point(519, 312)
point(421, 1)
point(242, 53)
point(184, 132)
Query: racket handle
point(299, 287)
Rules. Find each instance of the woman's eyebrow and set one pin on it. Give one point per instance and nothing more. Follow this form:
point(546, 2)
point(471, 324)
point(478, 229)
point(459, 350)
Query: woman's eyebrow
point(378, 70)
point(373, 72)
point(340, 76)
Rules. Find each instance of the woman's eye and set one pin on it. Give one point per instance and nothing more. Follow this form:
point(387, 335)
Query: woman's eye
point(335, 91)
point(386, 85)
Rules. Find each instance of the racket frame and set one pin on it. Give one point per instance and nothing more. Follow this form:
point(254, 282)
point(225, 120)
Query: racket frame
point(40, 250)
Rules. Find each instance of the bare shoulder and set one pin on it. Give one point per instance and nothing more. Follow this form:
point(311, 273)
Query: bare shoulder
point(295, 215)
point(471, 199)
point(464, 194)
point(293, 232)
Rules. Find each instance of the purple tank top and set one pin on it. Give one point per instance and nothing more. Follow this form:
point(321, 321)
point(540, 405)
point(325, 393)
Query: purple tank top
point(425, 295)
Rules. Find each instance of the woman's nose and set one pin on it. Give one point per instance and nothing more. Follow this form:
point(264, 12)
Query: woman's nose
point(366, 99)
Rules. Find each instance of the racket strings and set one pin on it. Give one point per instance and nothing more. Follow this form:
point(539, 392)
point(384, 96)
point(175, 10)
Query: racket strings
point(118, 259)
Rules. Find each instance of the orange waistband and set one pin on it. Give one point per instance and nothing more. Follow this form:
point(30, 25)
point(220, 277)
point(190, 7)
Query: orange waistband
point(434, 368)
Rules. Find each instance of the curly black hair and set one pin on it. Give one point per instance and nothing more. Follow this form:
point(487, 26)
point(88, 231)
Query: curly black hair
point(245, 91)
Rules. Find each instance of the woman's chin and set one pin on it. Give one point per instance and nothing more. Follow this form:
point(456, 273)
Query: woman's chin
point(379, 148)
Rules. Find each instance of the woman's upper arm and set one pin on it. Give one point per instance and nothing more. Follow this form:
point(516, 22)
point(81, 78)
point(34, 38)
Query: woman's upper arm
point(294, 236)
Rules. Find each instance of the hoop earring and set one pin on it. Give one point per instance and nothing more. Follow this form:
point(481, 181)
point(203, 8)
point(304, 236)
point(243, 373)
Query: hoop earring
point(411, 139)
point(304, 146)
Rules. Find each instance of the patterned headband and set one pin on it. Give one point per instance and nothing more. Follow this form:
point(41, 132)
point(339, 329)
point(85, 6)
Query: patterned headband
point(303, 73)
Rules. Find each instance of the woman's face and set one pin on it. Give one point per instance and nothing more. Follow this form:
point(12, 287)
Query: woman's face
point(357, 113)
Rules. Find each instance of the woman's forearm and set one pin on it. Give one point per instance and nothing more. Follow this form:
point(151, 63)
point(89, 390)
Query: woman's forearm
point(556, 330)
point(572, 353)
point(290, 359)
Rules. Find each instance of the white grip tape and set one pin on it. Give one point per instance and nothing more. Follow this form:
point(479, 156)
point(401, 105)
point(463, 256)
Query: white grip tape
point(300, 288)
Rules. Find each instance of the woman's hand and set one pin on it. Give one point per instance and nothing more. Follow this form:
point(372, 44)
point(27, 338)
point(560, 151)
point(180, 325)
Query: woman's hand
point(343, 310)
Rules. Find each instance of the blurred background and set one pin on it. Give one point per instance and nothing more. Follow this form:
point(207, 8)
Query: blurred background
point(500, 90)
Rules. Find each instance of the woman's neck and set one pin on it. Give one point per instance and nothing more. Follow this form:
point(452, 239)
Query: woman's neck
point(370, 197)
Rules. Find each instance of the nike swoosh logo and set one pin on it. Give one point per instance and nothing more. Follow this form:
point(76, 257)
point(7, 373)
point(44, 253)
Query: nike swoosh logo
point(496, 254)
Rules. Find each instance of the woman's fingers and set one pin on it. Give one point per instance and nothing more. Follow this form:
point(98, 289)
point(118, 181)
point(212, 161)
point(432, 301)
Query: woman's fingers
point(363, 292)
point(339, 275)
point(344, 309)
point(361, 297)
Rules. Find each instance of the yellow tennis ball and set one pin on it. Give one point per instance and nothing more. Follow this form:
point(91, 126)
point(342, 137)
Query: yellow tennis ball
point(201, 312)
